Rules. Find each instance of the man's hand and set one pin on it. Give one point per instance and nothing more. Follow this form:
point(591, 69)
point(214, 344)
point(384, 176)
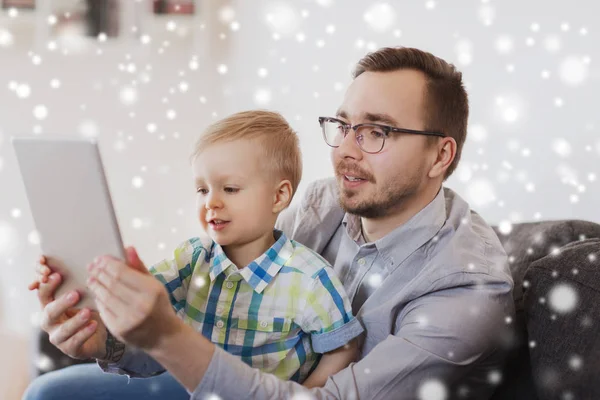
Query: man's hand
point(79, 333)
point(133, 304)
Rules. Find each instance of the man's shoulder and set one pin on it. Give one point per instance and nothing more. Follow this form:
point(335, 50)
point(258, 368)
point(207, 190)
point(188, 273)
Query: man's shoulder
point(466, 248)
point(314, 218)
point(306, 262)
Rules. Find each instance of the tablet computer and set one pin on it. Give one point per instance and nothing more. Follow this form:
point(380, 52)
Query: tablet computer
point(71, 206)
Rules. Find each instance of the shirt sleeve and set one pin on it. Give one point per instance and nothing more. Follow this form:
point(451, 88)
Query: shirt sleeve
point(175, 273)
point(328, 314)
point(134, 364)
point(438, 342)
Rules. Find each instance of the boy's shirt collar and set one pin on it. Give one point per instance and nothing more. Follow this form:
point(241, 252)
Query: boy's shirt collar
point(260, 272)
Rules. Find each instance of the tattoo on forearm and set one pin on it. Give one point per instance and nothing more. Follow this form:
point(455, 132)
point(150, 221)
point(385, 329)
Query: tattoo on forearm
point(114, 348)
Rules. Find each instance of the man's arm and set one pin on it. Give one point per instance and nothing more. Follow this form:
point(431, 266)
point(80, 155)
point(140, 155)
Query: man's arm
point(441, 338)
point(331, 363)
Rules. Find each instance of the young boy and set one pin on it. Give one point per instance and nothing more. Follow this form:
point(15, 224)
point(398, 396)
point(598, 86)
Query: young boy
point(248, 288)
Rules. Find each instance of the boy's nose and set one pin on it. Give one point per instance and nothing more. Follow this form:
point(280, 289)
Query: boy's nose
point(213, 202)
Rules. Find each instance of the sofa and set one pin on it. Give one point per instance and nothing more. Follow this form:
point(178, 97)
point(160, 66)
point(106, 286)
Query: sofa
point(556, 347)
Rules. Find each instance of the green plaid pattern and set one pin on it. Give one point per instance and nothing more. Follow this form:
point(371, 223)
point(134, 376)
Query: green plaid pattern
point(277, 314)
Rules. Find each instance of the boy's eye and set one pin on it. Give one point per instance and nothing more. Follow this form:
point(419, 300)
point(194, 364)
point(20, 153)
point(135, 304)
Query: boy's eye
point(202, 191)
point(231, 190)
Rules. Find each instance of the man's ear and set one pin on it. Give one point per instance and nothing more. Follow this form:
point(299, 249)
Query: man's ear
point(282, 196)
point(445, 154)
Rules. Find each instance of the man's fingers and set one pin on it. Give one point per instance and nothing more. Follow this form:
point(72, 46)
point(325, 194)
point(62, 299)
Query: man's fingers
point(74, 343)
point(133, 259)
point(69, 327)
point(54, 310)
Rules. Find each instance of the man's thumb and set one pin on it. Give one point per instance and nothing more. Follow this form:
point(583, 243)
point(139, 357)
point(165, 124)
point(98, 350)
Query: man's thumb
point(133, 260)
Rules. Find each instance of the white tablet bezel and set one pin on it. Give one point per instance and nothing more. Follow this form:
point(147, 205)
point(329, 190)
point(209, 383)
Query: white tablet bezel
point(71, 205)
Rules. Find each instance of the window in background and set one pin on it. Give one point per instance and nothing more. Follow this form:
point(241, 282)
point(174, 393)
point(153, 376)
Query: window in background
point(22, 4)
point(182, 7)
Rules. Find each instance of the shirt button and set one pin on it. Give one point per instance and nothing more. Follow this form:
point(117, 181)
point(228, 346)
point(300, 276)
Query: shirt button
point(219, 310)
point(264, 324)
point(229, 285)
point(361, 261)
point(220, 324)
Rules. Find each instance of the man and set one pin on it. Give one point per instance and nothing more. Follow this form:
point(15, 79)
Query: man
point(427, 277)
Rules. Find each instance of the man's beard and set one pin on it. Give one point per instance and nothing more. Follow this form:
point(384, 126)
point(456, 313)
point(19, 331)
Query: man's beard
point(383, 204)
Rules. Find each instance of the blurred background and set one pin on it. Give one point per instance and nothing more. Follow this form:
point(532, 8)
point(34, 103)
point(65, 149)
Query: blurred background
point(145, 77)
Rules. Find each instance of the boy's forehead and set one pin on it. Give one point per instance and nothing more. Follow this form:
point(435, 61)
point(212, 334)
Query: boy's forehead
point(238, 158)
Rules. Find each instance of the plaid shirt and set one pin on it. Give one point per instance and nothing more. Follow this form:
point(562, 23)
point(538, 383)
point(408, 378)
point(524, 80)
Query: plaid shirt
point(277, 314)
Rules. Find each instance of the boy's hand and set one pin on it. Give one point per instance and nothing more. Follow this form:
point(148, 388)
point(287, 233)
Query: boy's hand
point(43, 272)
point(77, 333)
point(134, 305)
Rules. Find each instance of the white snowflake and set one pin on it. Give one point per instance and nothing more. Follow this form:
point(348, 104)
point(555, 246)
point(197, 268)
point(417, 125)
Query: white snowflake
point(477, 133)
point(128, 95)
point(137, 223)
point(480, 192)
point(6, 38)
point(8, 238)
point(380, 17)
point(552, 43)
point(432, 389)
point(40, 112)
point(324, 3)
point(573, 71)
point(575, 362)
point(561, 147)
point(137, 182)
point(44, 363)
point(262, 97)
point(463, 50)
point(282, 19)
point(504, 44)
point(487, 14)
point(505, 227)
point(89, 129)
point(375, 280)
point(495, 377)
point(563, 298)
point(222, 69)
point(34, 238)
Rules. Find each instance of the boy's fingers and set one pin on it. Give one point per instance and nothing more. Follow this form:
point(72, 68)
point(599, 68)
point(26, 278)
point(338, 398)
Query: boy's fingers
point(34, 285)
point(46, 290)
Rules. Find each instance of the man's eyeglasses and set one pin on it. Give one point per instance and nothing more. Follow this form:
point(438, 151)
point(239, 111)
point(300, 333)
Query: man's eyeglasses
point(369, 137)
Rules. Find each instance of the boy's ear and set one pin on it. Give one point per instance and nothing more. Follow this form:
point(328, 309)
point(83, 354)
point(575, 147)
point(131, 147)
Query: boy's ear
point(283, 196)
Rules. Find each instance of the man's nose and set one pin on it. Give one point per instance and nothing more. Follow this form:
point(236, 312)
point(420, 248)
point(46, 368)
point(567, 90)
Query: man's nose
point(348, 147)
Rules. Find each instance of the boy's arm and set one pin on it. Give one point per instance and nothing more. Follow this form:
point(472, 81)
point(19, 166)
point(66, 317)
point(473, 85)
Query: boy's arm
point(331, 363)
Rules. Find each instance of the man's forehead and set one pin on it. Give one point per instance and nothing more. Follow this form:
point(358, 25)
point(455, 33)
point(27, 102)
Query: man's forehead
point(367, 116)
point(393, 97)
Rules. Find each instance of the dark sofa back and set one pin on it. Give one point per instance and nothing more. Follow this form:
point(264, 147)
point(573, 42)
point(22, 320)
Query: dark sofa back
point(550, 262)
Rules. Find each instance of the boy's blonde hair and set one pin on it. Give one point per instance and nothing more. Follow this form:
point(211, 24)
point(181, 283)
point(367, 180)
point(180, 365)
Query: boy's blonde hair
point(280, 143)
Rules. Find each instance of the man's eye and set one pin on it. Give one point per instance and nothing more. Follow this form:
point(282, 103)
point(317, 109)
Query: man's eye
point(202, 191)
point(377, 134)
point(231, 190)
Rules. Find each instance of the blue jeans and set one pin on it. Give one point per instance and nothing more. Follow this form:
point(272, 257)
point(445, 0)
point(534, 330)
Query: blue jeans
point(88, 381)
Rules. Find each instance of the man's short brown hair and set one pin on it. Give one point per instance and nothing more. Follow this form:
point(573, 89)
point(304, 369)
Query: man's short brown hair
point(446, 101)
point(282, 156)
